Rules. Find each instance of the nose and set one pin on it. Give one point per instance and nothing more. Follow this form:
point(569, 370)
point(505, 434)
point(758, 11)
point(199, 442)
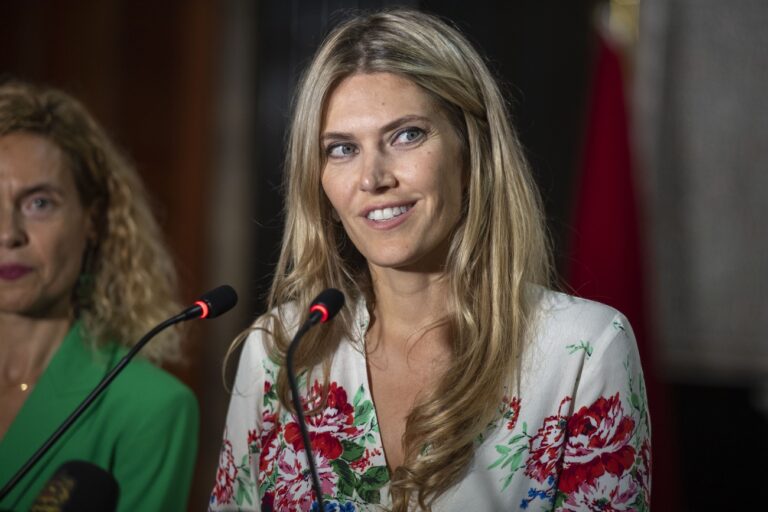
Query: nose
point(12, 233)
point(377, 174)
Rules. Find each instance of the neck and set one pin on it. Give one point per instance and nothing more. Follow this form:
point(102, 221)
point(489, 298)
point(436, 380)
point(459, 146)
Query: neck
point(28, 345)
point(408, 304)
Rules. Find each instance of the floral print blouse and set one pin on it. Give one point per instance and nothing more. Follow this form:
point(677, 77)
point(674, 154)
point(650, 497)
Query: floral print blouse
point(576, 437)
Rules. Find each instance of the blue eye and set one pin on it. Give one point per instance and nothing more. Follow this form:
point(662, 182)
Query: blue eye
point(37, 205)
point(409, 135)
point(341, 150)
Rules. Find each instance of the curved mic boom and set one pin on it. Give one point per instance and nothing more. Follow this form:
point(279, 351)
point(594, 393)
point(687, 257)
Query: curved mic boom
point(210, 305)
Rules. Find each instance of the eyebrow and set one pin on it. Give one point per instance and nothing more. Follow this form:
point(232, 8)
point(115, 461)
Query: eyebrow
point(41, 187)
point(387, 127)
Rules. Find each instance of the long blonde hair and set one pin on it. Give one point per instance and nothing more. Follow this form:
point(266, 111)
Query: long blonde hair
point(498, 250)
point(128, 281)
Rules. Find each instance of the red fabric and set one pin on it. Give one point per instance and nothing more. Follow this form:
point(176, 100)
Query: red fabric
point(606, 251)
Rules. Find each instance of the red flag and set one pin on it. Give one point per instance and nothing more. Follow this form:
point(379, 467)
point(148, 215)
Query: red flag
point(606, 251)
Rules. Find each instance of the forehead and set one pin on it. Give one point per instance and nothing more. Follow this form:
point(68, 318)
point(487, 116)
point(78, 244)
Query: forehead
point(28, 157)
point(375, 96)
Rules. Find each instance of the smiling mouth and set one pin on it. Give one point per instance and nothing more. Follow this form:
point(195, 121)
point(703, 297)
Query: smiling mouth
point(388, 213)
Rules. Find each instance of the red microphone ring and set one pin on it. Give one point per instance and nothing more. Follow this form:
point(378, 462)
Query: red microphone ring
point(204, 307)
point(323, 311)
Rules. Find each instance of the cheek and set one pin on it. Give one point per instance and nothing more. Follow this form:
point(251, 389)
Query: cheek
point(334, 192)
point(65, 253)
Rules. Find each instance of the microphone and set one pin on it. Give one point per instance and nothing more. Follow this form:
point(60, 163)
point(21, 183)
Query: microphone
point(210, 305)
point(78, 486)
point(323, 308)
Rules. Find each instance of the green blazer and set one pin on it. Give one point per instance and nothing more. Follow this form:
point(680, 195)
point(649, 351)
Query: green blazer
point(143, 428)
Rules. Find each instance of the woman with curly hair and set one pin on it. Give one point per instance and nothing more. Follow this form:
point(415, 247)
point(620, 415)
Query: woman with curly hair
point(84, 273)
point(455, 379)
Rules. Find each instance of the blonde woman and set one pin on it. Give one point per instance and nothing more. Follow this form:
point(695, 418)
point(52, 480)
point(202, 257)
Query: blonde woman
point(454, 379)
point(83, 275)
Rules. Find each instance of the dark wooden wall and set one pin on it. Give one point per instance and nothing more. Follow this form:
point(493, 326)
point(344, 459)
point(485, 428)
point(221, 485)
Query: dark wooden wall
point(144, 70)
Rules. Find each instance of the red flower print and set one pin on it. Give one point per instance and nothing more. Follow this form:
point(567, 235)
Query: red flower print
point(605, 494)
point(338, 414)
point(546, 447)
point(512, 412)
point(225, 474)
point(644, 469)
point(598, 442)
point(322, 442)
point(269, 443)
point(364, 462)
point(293, 490)
point(333, 424)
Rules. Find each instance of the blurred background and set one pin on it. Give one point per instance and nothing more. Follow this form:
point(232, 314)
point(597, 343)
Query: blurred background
point(645, 122)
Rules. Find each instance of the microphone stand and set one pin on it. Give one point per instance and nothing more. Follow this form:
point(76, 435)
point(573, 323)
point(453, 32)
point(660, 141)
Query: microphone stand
point(313, 319)
point(323, 308)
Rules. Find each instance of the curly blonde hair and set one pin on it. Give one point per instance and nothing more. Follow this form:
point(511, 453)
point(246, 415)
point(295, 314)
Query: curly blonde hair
point(128, 280)
point(497, 251)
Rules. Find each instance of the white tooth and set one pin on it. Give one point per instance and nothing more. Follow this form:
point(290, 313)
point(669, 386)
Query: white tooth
point(378, 215)
point(388, 213)
point(403, 209)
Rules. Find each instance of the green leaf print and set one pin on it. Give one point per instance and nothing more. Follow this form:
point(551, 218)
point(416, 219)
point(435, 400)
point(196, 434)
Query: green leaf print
point(375, 477)
point(583, 345)
point(559, 500)
point(345, 473)
point(346, 488)
point(515, 460)
point(242, 493)
point(511, 456)
point(363, 413)
point(372, 496)
point(352, 451)
point(358, 396)
point(504, 450)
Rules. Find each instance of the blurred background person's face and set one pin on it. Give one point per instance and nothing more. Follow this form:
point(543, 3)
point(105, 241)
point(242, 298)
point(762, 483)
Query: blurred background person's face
point(43, 227)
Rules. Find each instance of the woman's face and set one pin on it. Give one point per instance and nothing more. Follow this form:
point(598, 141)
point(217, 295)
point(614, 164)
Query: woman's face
point(43, 227)
point(393, 171)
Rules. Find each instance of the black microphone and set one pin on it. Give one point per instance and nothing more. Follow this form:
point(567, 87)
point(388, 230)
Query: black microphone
point(210, 305)
point(323, 308)
point(78, 486)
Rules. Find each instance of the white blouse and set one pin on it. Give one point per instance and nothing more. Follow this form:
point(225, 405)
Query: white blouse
point(576, 437)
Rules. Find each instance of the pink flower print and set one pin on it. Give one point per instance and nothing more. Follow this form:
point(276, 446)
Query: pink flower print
point(605, 494)
point(546, 447)
point(598, 442)
point(293, 490)
point(225, 474)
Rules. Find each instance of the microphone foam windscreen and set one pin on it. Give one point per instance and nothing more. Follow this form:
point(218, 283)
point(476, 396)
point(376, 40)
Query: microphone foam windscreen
point(219, 300)
point(332, 299)
point(78, 486)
